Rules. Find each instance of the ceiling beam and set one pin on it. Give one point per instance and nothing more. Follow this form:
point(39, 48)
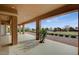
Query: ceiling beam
point(4, 8)
point(5, 22)
point(61, 10)
point(7, 14)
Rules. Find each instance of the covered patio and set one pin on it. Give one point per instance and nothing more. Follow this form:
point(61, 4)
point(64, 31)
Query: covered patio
point(17, 42)
point(30, 46)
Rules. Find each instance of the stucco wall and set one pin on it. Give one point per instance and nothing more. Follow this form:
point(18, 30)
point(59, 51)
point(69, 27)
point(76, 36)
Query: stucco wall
point(2, 30)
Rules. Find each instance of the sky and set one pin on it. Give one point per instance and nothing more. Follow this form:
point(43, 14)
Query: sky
point(61, 21)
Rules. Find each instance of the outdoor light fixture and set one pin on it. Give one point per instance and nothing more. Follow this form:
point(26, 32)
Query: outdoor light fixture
point(8, 26)
point(13, 7)
point(21, 26)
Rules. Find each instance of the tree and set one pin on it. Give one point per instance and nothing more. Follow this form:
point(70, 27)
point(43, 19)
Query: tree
point(47, 28)
point(26, 29)
point(57, 29)
point(50, 28)
point(67, 28)
point(71, 29)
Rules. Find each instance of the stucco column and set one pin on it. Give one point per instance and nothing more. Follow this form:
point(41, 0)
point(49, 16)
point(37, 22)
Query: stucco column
point(23, 29)
point(4, 29)
point(37, 29)
point(19, 29)
point(13, 26)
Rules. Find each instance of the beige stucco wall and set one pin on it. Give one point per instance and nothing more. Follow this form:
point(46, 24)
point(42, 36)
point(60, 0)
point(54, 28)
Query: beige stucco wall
point(2, 30)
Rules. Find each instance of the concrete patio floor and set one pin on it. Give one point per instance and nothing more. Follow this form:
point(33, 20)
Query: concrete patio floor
point(27, 45)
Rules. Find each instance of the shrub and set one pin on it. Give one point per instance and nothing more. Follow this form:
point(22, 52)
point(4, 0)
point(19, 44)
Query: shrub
point(61, 35)
point(66, 35)
point(56, 34)
point(43, 34)
point(73, 36)
point(52, 34)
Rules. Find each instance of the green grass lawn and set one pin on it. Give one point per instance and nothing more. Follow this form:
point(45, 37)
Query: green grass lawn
point(66, 33)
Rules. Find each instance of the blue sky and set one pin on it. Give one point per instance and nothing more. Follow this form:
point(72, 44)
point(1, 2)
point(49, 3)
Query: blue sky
point(70, 19)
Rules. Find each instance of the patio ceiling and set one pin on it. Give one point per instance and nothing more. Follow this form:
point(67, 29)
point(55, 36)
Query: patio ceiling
point(26, 12)
point(31, 12)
